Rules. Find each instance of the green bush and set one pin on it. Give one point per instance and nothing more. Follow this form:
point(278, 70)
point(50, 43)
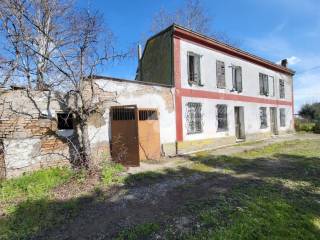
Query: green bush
point(301, 126)
point(316, 128)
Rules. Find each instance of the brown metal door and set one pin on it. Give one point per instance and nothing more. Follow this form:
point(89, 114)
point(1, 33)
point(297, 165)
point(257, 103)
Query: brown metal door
point(149, 134)
point(124, 135)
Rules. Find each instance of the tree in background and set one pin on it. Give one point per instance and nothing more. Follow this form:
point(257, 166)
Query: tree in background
point(310, 112)
point(50, 45)
point(191, 15)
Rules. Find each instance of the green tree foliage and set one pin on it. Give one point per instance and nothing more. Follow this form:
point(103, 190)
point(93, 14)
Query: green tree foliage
point(310, 111)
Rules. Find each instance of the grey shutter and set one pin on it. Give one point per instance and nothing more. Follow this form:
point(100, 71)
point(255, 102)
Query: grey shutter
point(220, 70)
point(234, 84)
point(197, 69)
point(266, 85)
point(261, 83)
point(282, 88)
point(239, 79)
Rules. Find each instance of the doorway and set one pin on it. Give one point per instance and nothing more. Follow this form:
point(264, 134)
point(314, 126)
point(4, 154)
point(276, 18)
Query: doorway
point(273, 121)
point(135, 134)
point(239, 123)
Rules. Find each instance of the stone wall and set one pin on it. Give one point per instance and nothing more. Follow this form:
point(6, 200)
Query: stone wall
point(28, 132)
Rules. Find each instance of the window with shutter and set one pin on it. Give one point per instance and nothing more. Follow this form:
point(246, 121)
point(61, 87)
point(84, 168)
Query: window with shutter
point(282, 117)
point(194, 76)
point(237, 78)
point(282, 88)
point(222, 116)
point(221, 78)
point(264, 84)
point(263, 117)
point(194, 118)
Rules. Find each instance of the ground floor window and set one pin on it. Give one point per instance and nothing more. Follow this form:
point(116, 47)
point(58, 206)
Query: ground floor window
point(282, 117)
point(194, 118)
point(263, 117)
point(65, 121)
point(222, 116)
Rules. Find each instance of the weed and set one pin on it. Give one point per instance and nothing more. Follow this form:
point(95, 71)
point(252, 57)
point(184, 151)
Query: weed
point(111, 173)
point(139, 232)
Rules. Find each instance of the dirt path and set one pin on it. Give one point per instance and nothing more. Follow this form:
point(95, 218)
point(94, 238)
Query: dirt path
point(105, 212)
point(230, 150)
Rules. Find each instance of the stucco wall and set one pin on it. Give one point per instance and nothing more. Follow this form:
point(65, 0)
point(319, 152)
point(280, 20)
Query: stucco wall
point(250, 72)
point(210, 124)
point(156, 62)
point(142, 95)
point(250, 83)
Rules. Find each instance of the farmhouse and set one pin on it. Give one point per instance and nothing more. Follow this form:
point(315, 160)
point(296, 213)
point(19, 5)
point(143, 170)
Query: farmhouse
point(191, 93)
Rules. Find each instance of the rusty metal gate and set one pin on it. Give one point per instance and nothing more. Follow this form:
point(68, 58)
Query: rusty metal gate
point(135, 135)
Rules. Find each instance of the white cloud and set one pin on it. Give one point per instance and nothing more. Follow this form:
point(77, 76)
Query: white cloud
point(293, 60)
point(306, 88)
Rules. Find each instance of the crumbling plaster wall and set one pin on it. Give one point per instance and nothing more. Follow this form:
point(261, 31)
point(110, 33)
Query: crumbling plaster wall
point(133, 93)
point(28, 131)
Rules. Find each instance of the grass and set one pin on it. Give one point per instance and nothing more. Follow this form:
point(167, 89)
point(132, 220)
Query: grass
point(275, 194)
point(111, 173)
point(29, 206)
point(139, 232)
point(261, 212)
point(282, 202)
point(280, 205)
point(33, 185)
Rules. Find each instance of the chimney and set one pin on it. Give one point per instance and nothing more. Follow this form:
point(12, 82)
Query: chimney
point(139, 52)
point(284, 63)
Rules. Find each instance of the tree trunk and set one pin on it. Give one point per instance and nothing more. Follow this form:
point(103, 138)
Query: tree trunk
point(85, 150)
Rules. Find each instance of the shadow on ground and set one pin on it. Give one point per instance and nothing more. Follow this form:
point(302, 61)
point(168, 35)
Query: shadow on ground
point(220, 196)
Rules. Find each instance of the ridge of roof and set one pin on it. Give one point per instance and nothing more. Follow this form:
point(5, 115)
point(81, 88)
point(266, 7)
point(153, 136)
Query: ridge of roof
point(178, 29)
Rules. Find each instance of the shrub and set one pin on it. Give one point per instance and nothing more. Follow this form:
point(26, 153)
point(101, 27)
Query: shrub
point(304, 126)
point(316, 128)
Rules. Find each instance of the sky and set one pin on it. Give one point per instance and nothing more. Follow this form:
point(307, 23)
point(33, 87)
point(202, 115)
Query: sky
point(272, 29)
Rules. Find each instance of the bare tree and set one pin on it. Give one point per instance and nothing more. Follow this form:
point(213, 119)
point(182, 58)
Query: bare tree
point(191, 15)
point(52, 46)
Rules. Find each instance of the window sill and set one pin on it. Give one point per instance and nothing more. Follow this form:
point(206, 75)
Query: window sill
point(65, 132)
point(222, 129)
point(195, 84)
point(193, 133)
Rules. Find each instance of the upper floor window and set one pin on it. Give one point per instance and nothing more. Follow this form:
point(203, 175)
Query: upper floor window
point(282, 88)
point(221, 74)
point(237, 78)
point(194, 76)
point(264, 85)
point(263, 117)
point(282, 117)
point(222, 115)
point(194, 118)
